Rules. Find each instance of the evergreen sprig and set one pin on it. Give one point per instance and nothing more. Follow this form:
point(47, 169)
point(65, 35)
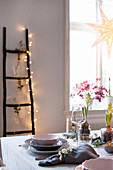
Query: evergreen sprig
point(20, 85)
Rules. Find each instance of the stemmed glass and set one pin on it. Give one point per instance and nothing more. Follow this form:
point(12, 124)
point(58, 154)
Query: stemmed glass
point(76, 119)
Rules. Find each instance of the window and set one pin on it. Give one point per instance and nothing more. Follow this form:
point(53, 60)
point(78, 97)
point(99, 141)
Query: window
point(87, 62)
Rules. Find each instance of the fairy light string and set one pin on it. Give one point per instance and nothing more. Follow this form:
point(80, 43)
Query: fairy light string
point(31, 73)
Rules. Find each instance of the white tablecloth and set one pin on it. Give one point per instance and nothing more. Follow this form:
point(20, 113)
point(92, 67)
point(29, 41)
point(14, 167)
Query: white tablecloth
point(17, 158)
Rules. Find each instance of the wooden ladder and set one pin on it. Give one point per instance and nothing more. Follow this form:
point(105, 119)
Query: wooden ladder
point(5, 78)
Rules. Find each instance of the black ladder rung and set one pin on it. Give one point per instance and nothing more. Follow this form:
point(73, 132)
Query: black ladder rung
point(16, 78)
point(18, 132)
point(18, 105)
point(16, 51)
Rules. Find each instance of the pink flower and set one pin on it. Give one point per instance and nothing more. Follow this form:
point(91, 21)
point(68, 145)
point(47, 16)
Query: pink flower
point(98, 79)
point(72, 95)
point(84, 86)
point(95, 87)
point(100, 94)
point(98, 98)
point(81, 95)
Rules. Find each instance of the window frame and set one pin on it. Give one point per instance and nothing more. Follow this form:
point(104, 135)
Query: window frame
point(66, 59)
point(67, 111)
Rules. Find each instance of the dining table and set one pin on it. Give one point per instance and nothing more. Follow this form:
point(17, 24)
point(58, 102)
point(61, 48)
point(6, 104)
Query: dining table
point(18, 157)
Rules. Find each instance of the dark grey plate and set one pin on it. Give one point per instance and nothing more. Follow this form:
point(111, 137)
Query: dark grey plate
point(56, 146)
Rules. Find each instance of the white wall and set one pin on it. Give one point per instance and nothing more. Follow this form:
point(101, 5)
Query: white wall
point(45, 19)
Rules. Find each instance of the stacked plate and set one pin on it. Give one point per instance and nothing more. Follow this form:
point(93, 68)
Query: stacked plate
point(46, 143)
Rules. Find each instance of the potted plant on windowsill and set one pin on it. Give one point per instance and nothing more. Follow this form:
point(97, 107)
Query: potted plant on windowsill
point(107, 135)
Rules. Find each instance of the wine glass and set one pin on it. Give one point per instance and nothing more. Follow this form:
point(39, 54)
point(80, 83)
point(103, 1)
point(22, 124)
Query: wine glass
point(76, 118)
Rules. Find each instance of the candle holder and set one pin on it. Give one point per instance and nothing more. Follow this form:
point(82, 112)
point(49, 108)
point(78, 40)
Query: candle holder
point(67, 125)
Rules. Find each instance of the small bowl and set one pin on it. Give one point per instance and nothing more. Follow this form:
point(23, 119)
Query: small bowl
point(45, 139)
point(108, 148)
point(98, 164)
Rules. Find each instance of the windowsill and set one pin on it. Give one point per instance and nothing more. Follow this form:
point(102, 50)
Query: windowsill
point(91, 113)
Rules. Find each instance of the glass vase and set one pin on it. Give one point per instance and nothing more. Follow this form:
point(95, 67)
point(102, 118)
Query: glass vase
point(84, 132)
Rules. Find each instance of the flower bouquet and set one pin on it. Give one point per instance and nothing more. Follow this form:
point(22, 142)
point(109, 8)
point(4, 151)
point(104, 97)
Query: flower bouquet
point(88, 92)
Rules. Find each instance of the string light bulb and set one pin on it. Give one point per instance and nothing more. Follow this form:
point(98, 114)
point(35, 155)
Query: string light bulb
point(30, 43)
point(30, 62)
point(35, 120)
point(23, 28)
point(30, 35)
point(32, 86)
point(27, 81)
point(30, 53)
point(20, 28)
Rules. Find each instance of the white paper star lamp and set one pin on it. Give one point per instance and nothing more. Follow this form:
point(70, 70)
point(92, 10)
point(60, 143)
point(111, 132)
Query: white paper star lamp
point(106, 32)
